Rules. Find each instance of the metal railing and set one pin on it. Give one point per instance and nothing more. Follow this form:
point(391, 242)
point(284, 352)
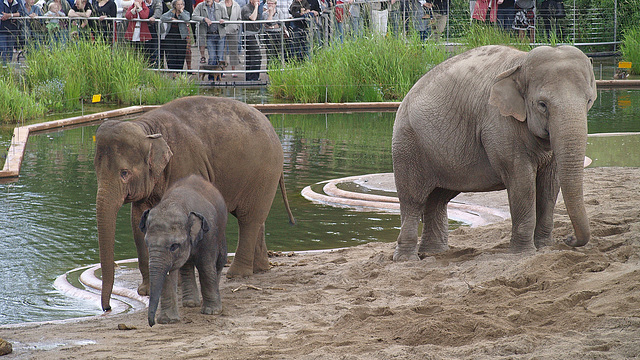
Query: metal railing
point(286, 41)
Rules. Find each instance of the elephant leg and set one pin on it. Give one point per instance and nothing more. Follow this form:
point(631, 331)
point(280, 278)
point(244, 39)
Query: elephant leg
point(141, 248)
point(435, 230)
point(190, 296)
point(261, 256)
point(522, 203)
point(547, 188)
point(242, 265)
point(413, 192)
point(210, 285)
point(169, 300)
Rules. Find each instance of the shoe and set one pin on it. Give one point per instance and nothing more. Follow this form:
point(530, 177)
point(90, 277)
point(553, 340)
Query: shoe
point(203, 60)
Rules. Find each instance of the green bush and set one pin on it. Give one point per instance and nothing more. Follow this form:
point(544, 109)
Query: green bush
point(631, 48)
point(371, 68)
point(58, 77)
point(15, 103)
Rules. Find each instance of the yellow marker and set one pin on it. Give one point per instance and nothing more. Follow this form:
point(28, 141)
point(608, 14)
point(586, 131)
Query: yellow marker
point(96, 98)
point(94, 138)
point(624, 65)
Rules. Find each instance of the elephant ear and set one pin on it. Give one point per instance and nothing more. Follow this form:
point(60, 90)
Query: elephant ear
point(197, 227)
point(506, 96)
point(159, 155)
point(143, 221)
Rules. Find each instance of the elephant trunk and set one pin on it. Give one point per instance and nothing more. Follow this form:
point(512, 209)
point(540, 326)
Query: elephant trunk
point(106, 212)
point(157, 276)
point(569, 145)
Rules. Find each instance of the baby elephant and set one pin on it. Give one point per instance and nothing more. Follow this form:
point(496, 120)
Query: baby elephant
point(186, 229)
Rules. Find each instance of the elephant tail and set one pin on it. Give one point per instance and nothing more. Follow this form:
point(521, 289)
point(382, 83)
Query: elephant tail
point(283, 190)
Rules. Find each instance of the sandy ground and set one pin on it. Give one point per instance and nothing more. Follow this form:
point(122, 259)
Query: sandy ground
point(475, 301)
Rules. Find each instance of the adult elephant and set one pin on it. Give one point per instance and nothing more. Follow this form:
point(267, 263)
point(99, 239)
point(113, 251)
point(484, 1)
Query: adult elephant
point(493, 118)
point(227, 142)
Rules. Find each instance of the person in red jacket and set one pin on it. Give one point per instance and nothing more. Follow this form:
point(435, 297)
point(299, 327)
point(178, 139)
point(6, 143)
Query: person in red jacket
point(138, 31)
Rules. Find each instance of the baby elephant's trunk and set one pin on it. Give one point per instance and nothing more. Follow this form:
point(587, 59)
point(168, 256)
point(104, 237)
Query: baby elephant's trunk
point(156, 281)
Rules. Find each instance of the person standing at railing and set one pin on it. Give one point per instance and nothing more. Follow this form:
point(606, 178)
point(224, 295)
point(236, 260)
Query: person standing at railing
point(524, 19)
point(212, 31)
point(55, 26)
point(138, 31)
point(355, 21)
point(63, 4)
point(9, 27)
point(379, 16)
point(105, 10)
point(175, 41)
point(276, 33)
point(151, 46)
point(506, 13)
point(440, 9)
point(232, 12)
point(300, 10)
point(395, 17)
point(82, 10)
point(34, 28)
point(250, 13)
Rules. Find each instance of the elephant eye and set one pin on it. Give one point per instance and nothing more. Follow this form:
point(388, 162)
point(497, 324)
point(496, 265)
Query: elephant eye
point(125, 174)
point(174, 247)
point(542, 107)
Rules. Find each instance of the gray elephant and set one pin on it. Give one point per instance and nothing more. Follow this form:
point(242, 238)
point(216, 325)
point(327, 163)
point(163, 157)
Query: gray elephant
point(186, 229)
point(227, 142)
point(493, 118)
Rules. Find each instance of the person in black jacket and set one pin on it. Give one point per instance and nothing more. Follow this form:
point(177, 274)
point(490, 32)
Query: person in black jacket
point(9, 27)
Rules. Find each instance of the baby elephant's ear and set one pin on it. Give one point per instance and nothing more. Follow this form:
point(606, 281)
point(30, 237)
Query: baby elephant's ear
point(506, 95)
point(143, 221)
point(197, 226)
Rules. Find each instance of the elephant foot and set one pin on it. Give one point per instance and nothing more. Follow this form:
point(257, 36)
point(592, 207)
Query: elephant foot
point(525, 250)
point(168, 319)
point(143, 289)
point(261, 265)
point(431, 248)
point(540, 243)
point(190, 303)
point(212, 309)
point(405, 256)
point(236, 271)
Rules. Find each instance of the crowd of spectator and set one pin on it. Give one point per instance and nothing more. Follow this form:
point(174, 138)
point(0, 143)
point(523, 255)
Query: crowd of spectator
point(223, 30)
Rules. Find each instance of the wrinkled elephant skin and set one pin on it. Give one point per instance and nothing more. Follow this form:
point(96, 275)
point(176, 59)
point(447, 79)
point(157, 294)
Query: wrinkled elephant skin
point(185, 230)
point(488, 119)
point(226, 142)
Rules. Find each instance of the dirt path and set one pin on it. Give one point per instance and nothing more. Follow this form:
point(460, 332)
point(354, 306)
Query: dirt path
point(476, 301)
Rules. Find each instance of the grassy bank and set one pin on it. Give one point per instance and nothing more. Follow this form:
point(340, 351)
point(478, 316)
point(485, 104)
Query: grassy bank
point(631, 48)
point(58, 77)
point(372, 68)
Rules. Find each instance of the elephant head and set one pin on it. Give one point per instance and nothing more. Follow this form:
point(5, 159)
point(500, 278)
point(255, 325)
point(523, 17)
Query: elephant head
point(128, 164)
point(170, 238)
point(552, 90)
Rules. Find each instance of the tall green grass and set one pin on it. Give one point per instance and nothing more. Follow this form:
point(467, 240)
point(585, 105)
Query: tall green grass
point(372, 68)
point(59, 77)
point(15, 103)
point(631, 48)
point(480, 34)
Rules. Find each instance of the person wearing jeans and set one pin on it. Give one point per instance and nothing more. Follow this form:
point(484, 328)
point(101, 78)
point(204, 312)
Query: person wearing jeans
point(250, 13)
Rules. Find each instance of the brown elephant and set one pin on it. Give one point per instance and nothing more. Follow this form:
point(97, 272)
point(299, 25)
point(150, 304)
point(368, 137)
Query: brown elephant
point(227, 142)
point(493, 118)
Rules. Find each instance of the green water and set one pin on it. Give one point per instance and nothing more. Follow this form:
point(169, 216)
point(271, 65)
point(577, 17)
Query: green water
point(47, 217)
